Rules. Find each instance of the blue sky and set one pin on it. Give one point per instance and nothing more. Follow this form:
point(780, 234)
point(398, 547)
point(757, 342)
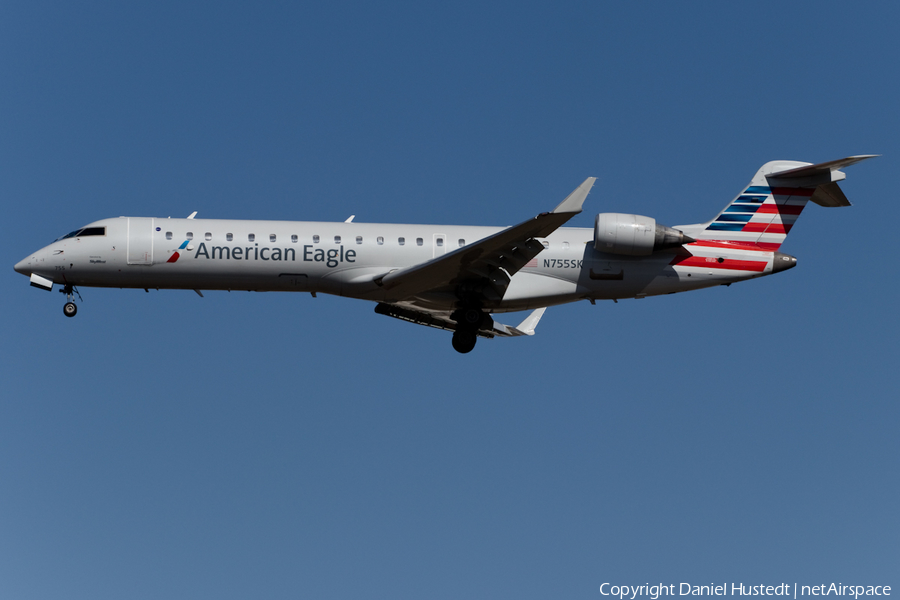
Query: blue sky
point(275, 445)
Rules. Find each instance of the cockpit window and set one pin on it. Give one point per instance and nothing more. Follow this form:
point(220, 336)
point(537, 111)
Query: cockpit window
point(84, 232)
point(92, 231)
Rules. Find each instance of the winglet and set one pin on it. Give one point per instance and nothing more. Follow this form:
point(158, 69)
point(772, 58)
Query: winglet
point(573, 202)
point(526, 327)
point(530, 323)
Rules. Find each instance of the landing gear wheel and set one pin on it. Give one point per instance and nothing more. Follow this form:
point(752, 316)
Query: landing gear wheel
point(464, 341)
point(472, 316)
point(70, 309)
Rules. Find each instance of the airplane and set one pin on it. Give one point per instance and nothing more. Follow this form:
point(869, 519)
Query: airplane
point(448, 276)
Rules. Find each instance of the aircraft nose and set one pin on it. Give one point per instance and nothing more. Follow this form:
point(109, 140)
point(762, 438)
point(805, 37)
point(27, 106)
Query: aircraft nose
point(23, 266)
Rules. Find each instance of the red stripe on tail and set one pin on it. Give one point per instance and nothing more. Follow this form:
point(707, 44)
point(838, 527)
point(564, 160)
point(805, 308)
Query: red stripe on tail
point(708, 262)
point(767, 228)
point(779, 209)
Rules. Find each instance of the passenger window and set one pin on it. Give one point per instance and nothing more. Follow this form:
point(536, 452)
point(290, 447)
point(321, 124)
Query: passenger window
point(565, 245)
point(401, 241)
point(252, 237)
point(315, 239)
point(440, 242)
point(190, 235)
point(462, 242)
point(229, 237)
point(168, 235)
point(359, 239)
point(294, 238)
point(208, 236)
point(380, 240)
point(337, 239)
point(419, 241)
point(271, 237)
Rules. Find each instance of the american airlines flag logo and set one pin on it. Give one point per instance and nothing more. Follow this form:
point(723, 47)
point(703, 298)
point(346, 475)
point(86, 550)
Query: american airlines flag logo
point(531, 264)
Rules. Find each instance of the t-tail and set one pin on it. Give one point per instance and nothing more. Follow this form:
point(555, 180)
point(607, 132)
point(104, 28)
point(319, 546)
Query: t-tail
point(763, 214)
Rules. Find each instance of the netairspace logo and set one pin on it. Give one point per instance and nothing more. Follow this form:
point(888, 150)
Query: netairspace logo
point(632, 592)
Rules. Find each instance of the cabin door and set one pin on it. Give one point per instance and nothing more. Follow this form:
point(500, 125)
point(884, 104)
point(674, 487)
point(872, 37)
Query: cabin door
point(139, 249)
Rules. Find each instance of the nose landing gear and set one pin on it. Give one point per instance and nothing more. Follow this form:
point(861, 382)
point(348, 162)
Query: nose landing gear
point(69, 309)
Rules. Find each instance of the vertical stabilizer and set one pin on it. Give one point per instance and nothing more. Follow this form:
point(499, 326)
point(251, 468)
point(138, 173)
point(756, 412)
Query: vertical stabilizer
point(764, 213)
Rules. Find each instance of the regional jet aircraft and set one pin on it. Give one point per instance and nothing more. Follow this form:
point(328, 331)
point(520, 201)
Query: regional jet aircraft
point(449, 276)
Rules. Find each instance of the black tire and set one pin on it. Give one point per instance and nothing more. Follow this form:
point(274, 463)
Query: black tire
point(69, 309)
point(472, 317)
point(464, 341)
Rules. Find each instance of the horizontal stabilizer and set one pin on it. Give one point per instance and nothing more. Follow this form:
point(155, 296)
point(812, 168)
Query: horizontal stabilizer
point(822, 178)
point(830, 195)
point(825, 167)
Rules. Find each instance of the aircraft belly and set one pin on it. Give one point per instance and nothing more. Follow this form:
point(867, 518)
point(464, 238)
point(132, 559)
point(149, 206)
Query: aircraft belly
point(532, 289)
point(612, 277)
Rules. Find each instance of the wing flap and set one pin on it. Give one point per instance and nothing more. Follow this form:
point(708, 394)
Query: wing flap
point(442, 320)
point(438, 320)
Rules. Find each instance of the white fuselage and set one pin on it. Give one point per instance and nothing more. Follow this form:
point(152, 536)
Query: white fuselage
point(347, 258)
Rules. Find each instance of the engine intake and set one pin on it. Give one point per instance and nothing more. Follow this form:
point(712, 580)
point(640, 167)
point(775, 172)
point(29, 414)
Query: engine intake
point(634, 235)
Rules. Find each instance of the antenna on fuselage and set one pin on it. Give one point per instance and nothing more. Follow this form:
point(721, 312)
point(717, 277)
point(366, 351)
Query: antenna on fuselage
point(350, 220)
point(192, 215)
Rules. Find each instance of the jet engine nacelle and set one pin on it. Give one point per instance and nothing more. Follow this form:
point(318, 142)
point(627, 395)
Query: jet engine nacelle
point(634, 235)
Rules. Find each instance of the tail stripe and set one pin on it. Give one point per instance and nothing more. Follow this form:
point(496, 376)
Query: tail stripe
point(738, 208)
point(741, 218)
point(781, 209)
point(725, 227)
point(708, 262)
point(735, 245)
point(761, 215)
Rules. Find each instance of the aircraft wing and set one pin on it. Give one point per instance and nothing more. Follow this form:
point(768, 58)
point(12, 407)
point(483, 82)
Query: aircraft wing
point(485, 266)
point(442, 320)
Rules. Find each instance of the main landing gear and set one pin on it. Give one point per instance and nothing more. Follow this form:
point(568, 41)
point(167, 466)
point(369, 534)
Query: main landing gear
point(468, 322)
point(69, 309)
point(464, 340)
